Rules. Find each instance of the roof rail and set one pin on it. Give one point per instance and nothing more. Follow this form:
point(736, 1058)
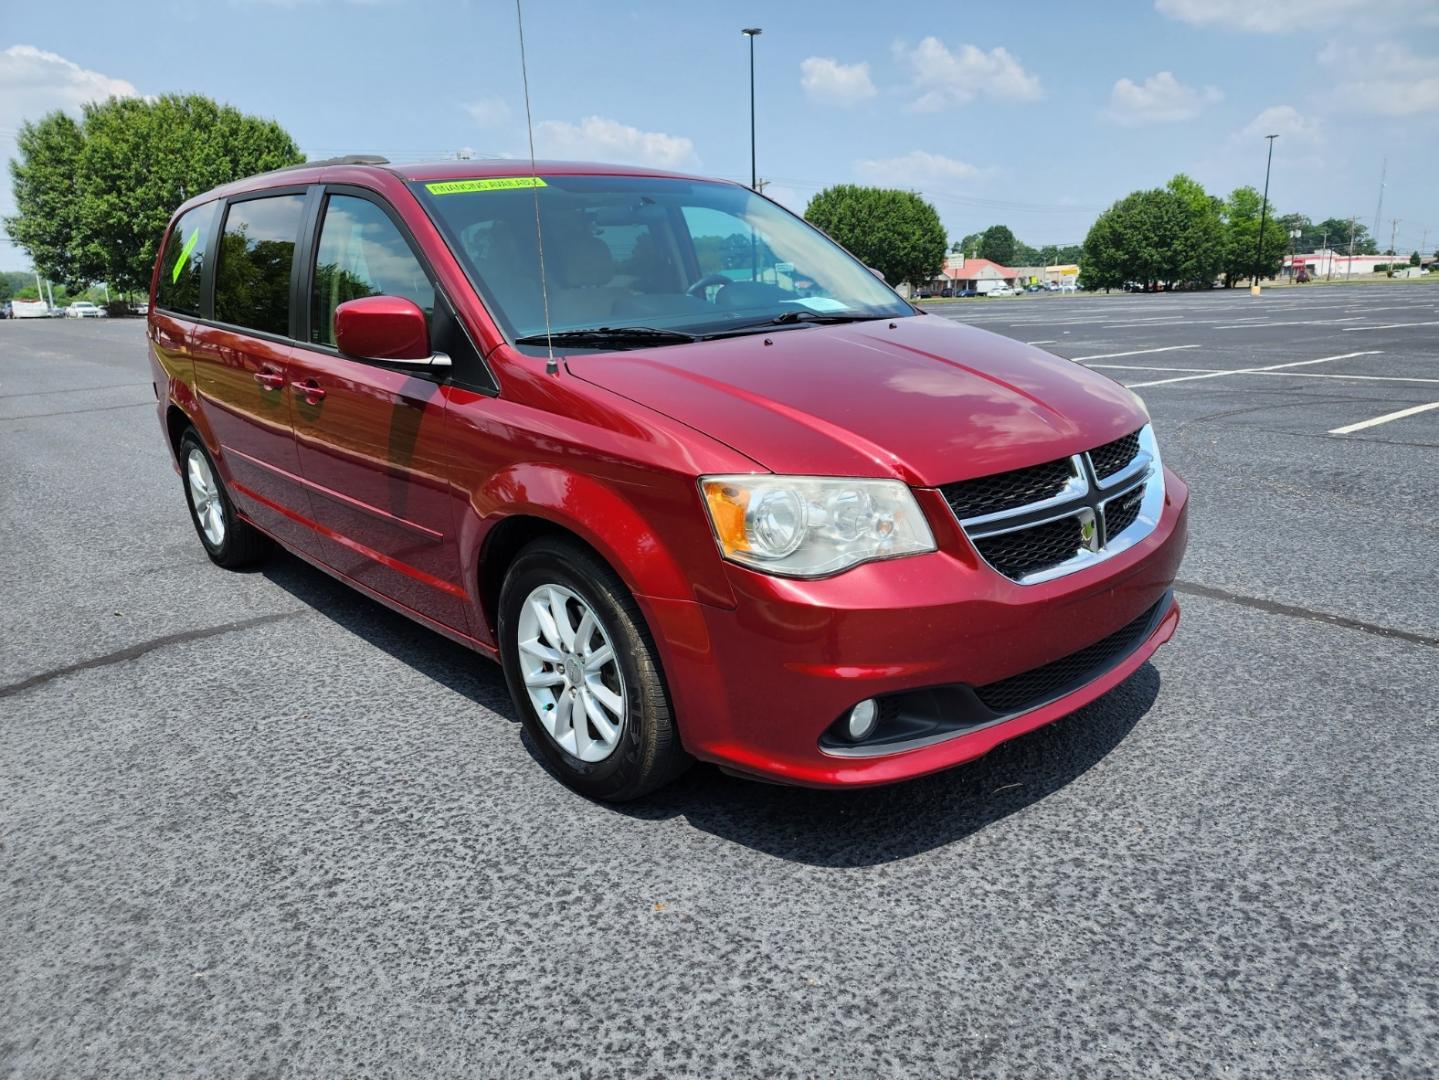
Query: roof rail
point(352, 159)
point(348, 159)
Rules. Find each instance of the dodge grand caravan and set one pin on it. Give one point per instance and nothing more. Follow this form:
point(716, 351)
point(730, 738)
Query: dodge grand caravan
point(701, 482)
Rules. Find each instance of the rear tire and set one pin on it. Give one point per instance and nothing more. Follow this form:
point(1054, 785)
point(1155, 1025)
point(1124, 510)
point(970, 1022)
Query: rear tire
point(608, 729)
point(229, 540)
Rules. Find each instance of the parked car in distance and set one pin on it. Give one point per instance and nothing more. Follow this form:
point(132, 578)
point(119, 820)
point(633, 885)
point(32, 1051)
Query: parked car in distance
point(1002, 290)
point(806, 532)
point(1068, 286)
point(966, 293)
point(29, 309)
point(84, 309)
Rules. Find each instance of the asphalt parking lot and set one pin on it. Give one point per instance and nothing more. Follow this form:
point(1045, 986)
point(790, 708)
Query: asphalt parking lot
point(254, 824)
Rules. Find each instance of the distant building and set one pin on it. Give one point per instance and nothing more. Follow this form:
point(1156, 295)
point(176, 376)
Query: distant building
point(981, 275)
point(1326, 263)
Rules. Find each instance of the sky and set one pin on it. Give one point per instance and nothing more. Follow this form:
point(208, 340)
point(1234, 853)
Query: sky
point(1035, 115)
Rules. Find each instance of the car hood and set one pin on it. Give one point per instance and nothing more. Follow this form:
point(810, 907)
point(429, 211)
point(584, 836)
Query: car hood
point(922, 399)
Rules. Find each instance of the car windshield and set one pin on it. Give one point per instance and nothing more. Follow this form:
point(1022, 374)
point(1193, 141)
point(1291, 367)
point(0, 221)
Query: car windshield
point(690, 257)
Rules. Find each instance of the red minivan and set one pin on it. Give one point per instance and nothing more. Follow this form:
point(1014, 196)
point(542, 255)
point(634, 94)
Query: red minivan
point(699, 480)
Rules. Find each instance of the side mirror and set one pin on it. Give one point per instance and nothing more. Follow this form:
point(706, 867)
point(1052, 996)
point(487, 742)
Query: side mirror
point(877, 273)
point(387, 328)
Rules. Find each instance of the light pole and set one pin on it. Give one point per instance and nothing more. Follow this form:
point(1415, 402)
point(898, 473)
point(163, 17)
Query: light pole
point(1294, 235)
point(1263, 218)
point(752, 32)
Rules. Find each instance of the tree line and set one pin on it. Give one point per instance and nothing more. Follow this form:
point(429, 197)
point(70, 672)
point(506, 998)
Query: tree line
point(93, 196)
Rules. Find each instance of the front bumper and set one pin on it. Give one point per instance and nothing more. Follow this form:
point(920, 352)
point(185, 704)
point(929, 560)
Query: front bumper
point(756, 687)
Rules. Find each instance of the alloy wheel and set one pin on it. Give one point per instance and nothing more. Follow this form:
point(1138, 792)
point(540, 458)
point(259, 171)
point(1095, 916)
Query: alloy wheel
point(205, 497)
point(571, 674)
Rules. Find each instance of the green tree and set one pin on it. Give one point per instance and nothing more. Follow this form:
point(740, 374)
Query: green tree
point(969, 246)
point(1102, 264)
point(1414, 259)
point(4, 289)
point(1200, 243)
point(1145, 238)
point(93, 199)
point(896, 232)
point(1242, 214)
point(43, 179)
point(1335, 232)
point(997, 243)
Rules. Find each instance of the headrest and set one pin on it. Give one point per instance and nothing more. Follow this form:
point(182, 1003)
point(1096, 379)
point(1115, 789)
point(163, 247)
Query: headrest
point(585, 261)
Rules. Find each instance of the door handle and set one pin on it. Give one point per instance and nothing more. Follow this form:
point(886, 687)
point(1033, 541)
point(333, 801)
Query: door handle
point(270, 380)
point(310, 390)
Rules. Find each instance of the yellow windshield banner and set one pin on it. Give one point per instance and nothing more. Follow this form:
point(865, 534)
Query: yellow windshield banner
point(494, 183)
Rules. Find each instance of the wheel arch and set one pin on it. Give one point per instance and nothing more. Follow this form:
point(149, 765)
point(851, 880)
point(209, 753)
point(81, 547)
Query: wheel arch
point(522, 503)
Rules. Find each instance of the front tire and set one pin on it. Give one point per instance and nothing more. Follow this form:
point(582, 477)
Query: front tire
point(229, 540)
point(584, 674)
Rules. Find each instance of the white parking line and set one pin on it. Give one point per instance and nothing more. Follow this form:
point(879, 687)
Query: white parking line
point(1046, 341)
point(1253, 370)
point(1145, 367)
point(1388, 326)
point(1132, 352)
point(1300, 322)
point(1400, 415)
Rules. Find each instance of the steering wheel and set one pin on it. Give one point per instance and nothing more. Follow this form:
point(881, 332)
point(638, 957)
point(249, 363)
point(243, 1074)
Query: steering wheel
point(697, 288)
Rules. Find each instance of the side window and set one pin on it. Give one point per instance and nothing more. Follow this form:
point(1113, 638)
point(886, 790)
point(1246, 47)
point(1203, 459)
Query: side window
point(362, 253)
point(182, 265)
point(257, 247)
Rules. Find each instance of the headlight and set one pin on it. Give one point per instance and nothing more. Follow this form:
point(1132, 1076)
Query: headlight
point(809, 526)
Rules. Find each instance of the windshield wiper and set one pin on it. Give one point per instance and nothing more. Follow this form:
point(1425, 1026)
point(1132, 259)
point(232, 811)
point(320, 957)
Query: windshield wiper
point(804, 315)
point(609, 337)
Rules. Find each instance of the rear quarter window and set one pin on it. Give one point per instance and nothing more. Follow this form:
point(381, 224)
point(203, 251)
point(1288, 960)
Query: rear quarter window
point(183, 262)
point(257, 250)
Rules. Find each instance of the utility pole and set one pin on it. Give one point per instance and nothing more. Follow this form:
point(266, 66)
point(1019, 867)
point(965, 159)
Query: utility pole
point(1328, 257)
point(1349, 265)
point(1393, 231)
point(1263, 219)
point(1383, 172)
point(751, 32)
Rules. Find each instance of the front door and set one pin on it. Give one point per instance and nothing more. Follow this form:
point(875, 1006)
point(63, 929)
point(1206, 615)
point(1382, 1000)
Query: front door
point(370, 437)
point(242, 365)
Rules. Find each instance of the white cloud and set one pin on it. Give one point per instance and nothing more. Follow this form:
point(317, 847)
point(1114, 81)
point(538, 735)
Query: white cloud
point(596, 138)
point(917, 169)
point(944, 79)
point(1386, 78)
point(34, 82)
point(489, 111)
point(1288, 16)
point(829, 82)
point(1285, 121)
point(1159, 99)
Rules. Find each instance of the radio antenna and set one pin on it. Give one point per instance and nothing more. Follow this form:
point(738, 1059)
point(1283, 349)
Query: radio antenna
point(552, 366)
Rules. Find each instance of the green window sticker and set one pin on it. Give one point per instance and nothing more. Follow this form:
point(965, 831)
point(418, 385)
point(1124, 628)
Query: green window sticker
point(496, 183)
point(184, 255)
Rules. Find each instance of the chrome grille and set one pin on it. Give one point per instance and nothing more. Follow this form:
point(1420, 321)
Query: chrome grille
point(1007, 490)
point(1025, 551)
point(1113, 456)
point(1041, 522)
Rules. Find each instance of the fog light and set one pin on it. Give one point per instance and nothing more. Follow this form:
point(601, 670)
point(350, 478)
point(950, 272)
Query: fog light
point(862, 720)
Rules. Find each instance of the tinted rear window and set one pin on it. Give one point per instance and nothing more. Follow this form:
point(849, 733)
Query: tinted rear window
point(257, 250)
point(183, 262)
